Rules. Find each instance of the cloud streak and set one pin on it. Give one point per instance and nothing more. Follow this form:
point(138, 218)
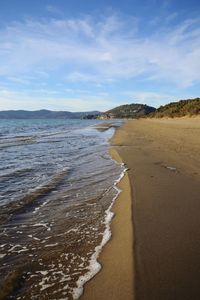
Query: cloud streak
point(82, 101)
point(97, 53)
point(107, 49)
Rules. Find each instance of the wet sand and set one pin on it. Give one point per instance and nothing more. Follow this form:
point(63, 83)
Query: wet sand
point(163, 157)
point(115, 280)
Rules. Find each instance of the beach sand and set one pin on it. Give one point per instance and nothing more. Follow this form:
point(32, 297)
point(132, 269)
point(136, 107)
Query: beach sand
point(163, 157)
point(115, 280)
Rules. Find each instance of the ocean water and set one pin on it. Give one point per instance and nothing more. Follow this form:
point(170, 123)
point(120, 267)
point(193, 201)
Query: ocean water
point(57, 186)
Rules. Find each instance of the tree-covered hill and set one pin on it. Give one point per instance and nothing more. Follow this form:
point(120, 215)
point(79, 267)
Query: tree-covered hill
point(128, 111)
point(180, 108)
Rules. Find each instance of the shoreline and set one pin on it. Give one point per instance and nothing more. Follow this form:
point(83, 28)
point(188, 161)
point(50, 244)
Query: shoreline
point(163, 177)
point(116, 277)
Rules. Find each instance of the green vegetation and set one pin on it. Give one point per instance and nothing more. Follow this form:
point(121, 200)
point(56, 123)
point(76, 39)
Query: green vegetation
point(180, 108)
point(189, 107)
point(128, 111)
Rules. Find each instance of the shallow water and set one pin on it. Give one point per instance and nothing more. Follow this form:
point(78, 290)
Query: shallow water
point(57, 183)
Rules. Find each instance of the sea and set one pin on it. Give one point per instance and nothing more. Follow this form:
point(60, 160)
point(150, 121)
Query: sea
point(57, 187)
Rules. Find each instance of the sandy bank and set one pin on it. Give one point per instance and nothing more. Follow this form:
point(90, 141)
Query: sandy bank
point(115, 280)
point(163, 156)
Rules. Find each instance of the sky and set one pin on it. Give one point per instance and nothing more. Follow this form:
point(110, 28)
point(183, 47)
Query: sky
point(85, 55)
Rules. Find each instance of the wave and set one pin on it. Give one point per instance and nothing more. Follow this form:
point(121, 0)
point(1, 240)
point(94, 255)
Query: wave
point(16, 141)
point(15, 173)
point(24, 141)
point(33, 198)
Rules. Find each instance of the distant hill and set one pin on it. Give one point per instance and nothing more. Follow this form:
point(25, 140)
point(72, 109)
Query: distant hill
point(44, 114)
point(178, 109)
point(128, 111)
point(175, 109)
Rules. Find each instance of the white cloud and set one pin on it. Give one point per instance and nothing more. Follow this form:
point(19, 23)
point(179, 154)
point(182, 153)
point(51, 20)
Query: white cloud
point(101, 50)
point(77, 76)
point(10, 99)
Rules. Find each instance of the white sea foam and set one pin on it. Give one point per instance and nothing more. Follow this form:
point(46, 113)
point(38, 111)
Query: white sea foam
point(13, 247)
point(42, 224)
point(51, 245)
point(43, 272)
point(94, 265)
point(39, 207)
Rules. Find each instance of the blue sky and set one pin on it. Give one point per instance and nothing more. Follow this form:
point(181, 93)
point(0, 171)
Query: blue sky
point(85, 55)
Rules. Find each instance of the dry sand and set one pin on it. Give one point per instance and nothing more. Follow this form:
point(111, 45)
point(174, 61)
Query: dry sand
point(164, 161)
point(163, 157)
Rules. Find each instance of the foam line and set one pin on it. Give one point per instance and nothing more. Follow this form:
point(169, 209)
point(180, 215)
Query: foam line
point(94, 265)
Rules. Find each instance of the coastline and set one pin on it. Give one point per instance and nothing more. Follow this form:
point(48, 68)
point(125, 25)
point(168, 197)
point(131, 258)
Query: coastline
point(64, 222)
point(163, 161)
point(116, 278)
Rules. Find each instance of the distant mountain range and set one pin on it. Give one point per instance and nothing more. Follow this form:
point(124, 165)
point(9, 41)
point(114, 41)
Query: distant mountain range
point(44, 114)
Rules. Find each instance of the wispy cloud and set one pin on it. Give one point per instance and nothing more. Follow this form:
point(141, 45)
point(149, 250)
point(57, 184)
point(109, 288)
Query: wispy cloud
point(77, 77)
point(103, 48)
point(109, 50)
point(82, 101)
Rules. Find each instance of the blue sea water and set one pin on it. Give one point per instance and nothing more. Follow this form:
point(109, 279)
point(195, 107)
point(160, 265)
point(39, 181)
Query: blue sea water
point(34, 152)
point(57, 183)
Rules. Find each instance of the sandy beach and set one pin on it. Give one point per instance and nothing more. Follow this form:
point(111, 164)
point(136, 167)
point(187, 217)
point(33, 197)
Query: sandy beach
point(163, 157)
point(115, 280)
